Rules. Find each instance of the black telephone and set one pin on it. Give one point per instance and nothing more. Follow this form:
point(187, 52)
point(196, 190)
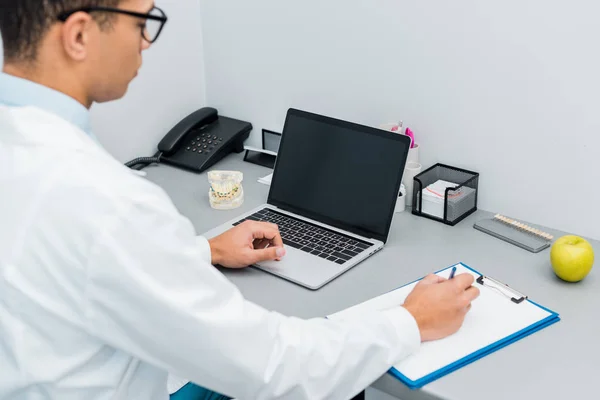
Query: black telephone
point(198, 141)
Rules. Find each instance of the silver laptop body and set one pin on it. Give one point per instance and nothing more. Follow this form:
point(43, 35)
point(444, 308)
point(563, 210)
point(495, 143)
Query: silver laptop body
point(327, 232)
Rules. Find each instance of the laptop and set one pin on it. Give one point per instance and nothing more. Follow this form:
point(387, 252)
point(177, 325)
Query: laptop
point(332, 194)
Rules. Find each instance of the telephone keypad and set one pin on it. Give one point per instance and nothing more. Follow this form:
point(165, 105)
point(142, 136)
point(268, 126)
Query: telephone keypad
point(204, 144)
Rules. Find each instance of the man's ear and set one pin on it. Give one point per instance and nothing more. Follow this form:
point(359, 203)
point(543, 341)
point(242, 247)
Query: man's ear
point(76, 34)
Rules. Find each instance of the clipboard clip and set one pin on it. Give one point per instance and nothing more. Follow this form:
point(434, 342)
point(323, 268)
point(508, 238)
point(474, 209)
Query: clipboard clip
point(502, 288)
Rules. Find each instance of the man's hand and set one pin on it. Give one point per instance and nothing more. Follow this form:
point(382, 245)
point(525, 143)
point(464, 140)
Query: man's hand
point(246, 244)
point(440, 305)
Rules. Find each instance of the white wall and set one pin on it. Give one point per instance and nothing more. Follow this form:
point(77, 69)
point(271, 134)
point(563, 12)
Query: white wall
point(509, 88)
point(169, 86)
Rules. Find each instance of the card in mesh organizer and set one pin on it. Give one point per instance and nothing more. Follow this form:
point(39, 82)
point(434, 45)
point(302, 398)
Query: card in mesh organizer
point(515, 232)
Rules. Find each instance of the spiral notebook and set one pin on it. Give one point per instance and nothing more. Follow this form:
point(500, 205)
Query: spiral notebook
point(498, 317)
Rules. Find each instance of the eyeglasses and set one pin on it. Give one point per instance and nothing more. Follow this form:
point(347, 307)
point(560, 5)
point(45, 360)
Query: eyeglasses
point(155, 20)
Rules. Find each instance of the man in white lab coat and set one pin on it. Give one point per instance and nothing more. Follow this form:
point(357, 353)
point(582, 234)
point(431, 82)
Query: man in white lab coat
point(105, 288)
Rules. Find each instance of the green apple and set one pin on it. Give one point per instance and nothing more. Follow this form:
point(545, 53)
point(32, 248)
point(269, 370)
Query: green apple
point(572, 258)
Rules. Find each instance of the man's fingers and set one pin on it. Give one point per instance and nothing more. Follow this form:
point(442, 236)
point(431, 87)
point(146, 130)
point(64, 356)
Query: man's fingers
point(261, 243)
point(270, 253)
point(463, 280)
point(432, 278)
point(472, 293)
point(266, 230)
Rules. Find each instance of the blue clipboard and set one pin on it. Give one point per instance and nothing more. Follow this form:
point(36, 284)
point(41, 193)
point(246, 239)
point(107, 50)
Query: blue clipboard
point(416, 384)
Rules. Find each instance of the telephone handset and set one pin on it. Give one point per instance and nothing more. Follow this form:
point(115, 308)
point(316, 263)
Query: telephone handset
point(198, 141)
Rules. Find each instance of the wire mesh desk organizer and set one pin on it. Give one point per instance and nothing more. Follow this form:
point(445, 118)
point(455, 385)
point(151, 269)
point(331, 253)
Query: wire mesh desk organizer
point(515, 232)
point(446, 194)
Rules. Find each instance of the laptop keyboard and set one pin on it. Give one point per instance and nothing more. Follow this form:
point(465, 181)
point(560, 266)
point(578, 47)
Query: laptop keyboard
point(333, 246)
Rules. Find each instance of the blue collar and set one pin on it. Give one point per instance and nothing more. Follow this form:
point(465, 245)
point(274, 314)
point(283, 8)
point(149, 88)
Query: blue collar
point(18, 92)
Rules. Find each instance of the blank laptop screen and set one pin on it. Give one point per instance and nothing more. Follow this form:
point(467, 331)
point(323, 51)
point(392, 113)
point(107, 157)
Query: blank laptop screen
point(339, 173)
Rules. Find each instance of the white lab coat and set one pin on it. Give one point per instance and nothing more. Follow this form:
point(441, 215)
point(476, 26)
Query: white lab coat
point(105, 289)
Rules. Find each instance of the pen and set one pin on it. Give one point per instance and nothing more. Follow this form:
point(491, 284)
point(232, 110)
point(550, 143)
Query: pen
point(452, 272)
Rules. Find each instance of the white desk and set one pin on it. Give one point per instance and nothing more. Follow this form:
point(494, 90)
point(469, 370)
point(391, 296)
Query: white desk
point(559, 362)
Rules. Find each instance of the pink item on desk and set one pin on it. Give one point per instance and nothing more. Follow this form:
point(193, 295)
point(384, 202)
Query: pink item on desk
point(397, 128)
point(411, 135)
